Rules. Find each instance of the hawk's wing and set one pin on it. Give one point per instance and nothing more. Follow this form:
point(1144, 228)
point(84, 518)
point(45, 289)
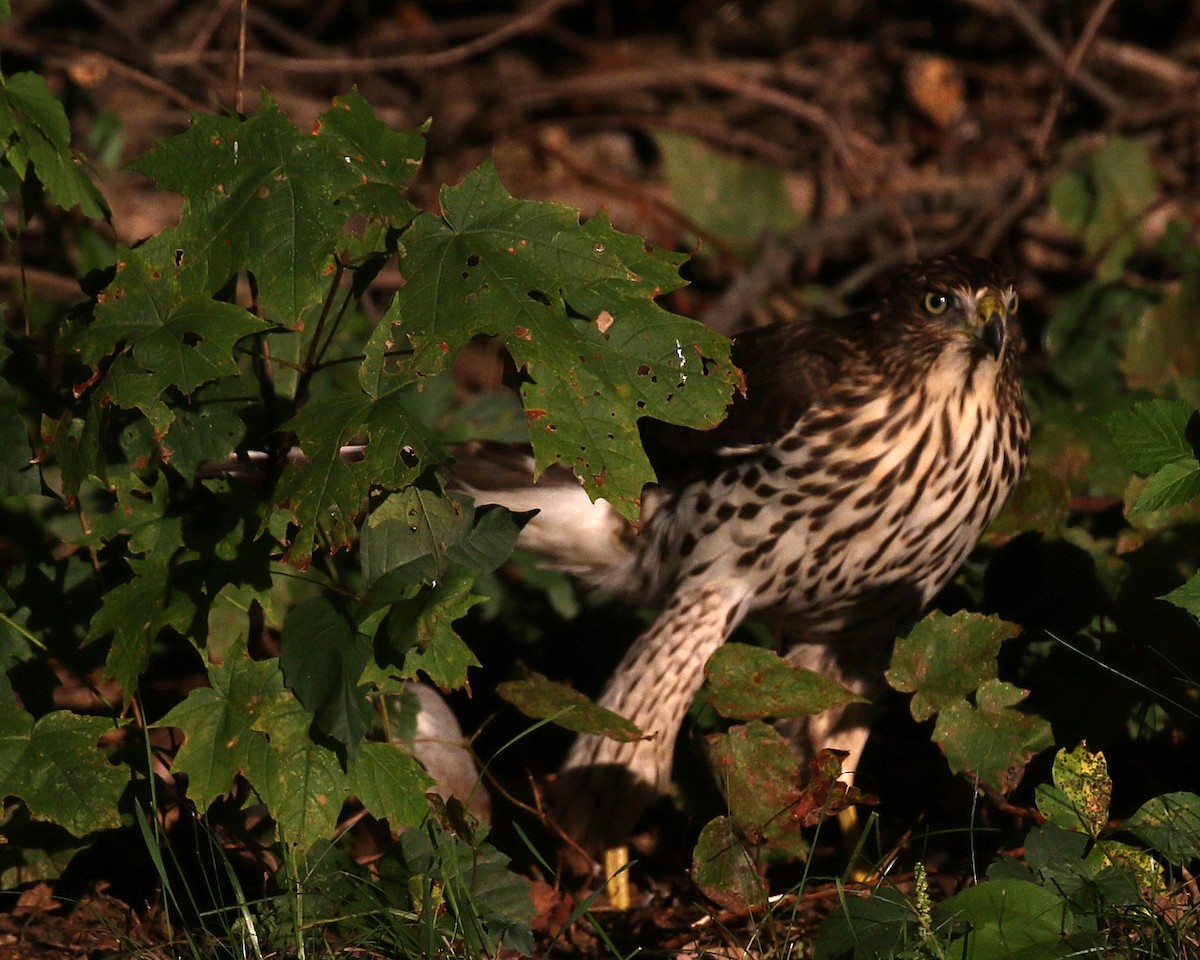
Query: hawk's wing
point(787, 367)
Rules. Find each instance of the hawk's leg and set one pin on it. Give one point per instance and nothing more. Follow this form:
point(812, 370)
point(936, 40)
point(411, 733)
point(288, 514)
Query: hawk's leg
point(604, 785)
point(859, 667)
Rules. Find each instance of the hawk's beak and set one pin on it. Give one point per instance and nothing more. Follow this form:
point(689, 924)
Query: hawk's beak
point(990, 314)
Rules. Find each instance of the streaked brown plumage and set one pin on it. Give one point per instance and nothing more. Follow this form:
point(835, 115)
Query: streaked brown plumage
point(837, 498)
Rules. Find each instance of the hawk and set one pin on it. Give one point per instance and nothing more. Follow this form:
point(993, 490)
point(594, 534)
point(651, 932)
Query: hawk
point(840, 494)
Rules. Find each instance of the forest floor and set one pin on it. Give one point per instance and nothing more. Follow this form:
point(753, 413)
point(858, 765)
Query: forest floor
point(890, 131)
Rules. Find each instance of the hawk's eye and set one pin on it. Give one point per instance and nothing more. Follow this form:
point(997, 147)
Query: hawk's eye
point(935, 303)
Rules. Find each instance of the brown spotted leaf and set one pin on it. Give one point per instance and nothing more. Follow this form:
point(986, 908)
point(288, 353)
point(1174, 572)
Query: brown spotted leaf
point(1081, 793)
point(759, 775)
point(944, 658)
point(544, 699)
point(724, 869)
point(991, 738)
point(750, 683)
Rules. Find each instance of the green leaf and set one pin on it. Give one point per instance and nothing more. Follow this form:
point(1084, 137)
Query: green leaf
point(730, 197)
point(184, 340)
point(217, 723)
point(1086, 336)
point(134, 613)
point(1104, 200)
point(724, 870)
point(1175, 484)
point(1186, 596)
point(416, 535)
point(751, 683)
point(490, 903)
point(328, 493)
point(875, 927)
point(541, 699)
point(991, 738)
point(575, 307)
point(1009, 920)
point(409, 536)
point(421, 633)
point(1153, 434)
point(77, 446)
point(38, 133)
point(261, 196)
point(385, 161)
point(55, 766)
point(208, 430)
point(756, 770)
point(18, 475)
point(391, 784)
point(944, 658)
point(300, 781)
point(323, 655)
point(1169, 824)
point(1159, 352)
point(127, 507)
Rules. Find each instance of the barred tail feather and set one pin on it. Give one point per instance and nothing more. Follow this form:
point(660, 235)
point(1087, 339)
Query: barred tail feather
point(585, 538)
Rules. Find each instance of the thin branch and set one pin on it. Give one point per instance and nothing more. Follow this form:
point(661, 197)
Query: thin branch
point(525, 23)
point(239, 96)
point(50, 284)
point(1071, 67)
point(1029, 24)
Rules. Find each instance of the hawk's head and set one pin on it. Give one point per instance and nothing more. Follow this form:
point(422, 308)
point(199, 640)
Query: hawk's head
point(951, 301)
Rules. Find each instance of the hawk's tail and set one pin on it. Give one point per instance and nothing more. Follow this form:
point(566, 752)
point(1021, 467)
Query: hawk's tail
point(589, 540)
point(605, 784)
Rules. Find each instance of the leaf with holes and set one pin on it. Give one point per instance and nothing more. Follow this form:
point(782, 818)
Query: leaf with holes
point(183, 340)
point(574, 304)
point(1081, 793)
point(329, 492)
point(263, 196)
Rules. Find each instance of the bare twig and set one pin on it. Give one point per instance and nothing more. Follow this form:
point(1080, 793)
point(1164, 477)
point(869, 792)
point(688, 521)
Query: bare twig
point(1070, 68)
point(1033, 186)
point(50, 284)
point(205, 34)
point(525, 23)
point(1162, 69)
point(744, 79)
point(68, 55)
point(849, 147)
point(239, 96)
point(773, 268)
point(1029, 24)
